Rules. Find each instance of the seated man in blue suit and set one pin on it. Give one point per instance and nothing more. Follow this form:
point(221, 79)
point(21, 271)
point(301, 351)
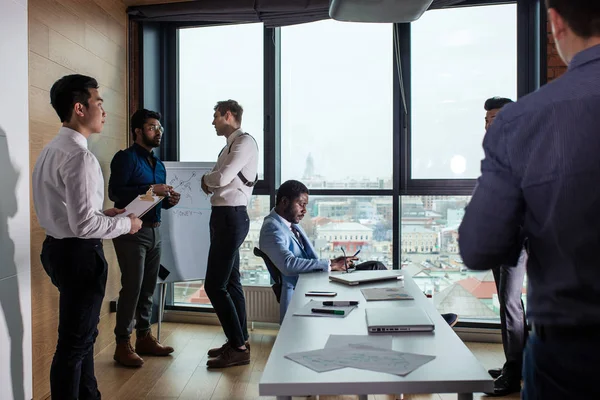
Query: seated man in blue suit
point(286, 244)
point(288, 247)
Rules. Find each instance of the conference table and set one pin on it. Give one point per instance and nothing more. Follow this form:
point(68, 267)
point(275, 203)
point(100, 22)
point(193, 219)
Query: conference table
point(454, 370)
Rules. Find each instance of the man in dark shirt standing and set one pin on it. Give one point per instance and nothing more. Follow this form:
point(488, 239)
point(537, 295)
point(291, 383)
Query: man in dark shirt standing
point(509, 285)
point(541, 171)
point(133, 172)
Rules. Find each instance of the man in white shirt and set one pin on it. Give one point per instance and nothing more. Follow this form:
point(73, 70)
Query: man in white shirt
point(230, 183)
point(68, 193)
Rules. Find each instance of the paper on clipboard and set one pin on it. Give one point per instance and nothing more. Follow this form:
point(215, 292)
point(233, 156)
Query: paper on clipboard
point(142, 204)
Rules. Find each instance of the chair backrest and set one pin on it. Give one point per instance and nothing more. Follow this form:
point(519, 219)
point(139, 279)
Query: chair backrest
point(273, 271)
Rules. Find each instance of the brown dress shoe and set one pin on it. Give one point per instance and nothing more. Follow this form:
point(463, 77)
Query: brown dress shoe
point(125, 355)
point(229, 358)
point(217, 351)
point(148, 344)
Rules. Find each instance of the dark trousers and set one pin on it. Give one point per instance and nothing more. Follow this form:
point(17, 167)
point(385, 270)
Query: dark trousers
point(561, 369)
point(228, 229)
point(509, 283)
point(139, 261)
point(78, 269)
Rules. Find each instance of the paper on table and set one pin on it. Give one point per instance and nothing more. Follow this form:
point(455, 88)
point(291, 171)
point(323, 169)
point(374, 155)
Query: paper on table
point(306, 311)
point(382, 342)
point(361, 357)
point(142, 204)
point(320, 360)
point(392, 293)
point(391, 362)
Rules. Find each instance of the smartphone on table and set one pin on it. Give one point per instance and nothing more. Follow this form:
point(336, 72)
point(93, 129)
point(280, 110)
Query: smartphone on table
point(321, 294)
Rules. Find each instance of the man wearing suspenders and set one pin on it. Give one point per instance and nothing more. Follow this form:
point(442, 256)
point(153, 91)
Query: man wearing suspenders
point(230, 183)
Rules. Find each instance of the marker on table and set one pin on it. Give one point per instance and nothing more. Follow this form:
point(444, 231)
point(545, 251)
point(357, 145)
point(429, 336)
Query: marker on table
point(340, 303)
point(324, 311)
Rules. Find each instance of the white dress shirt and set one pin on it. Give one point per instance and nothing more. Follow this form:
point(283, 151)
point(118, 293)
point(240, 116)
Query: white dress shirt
point(227, 187)
point(68, 191)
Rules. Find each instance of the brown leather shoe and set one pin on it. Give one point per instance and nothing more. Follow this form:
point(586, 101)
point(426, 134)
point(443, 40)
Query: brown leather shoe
point(125, 355)
point(148, 344)
point(217, 351)
point(229, 358)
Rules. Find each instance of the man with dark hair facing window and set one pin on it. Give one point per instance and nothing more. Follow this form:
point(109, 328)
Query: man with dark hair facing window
point(540, 174)
point(68, 193)
point(509, 285)
point(133, 172)
point(492, 107)
point(230, 183)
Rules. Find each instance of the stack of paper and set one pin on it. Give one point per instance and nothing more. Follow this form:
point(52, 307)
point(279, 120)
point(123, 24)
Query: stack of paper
point(362, 352)
point(307, 310)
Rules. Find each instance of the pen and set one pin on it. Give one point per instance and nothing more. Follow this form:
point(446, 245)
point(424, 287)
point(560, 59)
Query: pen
point(355, 254)
point(324, 311)
point(340, 303)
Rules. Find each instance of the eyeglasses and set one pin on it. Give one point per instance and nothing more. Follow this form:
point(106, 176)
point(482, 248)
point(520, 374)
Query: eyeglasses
point(154, 128)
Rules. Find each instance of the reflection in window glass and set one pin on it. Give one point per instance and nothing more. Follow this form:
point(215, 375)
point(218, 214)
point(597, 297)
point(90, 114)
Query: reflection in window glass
point(430, 254)
point(460, 57)
point(354, 223)
point(336, 105)
point(208, 72)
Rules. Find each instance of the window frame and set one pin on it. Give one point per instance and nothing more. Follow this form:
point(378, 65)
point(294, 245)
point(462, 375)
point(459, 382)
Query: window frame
point(154, 84)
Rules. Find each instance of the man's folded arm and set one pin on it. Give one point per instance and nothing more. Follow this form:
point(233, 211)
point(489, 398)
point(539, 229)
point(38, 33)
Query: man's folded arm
point(241, 152)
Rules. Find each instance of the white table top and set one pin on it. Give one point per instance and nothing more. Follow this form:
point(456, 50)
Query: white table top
point(454, 370)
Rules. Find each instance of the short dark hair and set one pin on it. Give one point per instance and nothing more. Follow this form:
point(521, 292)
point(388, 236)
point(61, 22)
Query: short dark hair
point(139, 118)
point(290, 190)
point(496, 103)
point(583, 16)
point(233, 107)
point(70, 90)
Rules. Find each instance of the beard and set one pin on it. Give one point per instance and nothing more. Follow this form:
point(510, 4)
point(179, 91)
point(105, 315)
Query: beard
point(151, 142)
point(290, 216)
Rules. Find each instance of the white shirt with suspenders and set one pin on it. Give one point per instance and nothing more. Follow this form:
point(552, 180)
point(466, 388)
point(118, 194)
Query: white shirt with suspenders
point(235, 174)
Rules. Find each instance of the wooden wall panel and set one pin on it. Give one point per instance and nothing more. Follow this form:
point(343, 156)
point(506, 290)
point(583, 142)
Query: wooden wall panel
point(65, 37)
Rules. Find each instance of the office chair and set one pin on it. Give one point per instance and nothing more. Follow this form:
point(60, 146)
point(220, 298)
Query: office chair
point(273, 271)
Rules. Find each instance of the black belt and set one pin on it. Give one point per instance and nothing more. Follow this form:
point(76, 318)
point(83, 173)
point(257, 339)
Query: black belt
point(562, 332)
point(224, 208)
point(150, 224)
point(50, 239)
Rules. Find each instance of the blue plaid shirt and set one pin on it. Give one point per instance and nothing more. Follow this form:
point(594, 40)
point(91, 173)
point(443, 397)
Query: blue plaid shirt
point(541, 172)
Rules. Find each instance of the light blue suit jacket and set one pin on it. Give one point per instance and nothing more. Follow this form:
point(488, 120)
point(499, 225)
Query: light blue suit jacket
point(282, 247)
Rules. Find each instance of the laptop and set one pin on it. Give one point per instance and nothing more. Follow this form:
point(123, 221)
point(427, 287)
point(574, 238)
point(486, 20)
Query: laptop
point(398, 319)
point(358, 277)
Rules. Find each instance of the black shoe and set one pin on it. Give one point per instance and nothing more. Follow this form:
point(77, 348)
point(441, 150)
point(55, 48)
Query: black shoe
point(503, 386)
point(495, 372)
point(450, 318)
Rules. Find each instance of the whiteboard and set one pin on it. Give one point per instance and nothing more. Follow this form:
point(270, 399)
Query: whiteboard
point(184, 229)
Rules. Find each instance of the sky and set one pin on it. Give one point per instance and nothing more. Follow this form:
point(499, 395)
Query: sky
point(337, 95)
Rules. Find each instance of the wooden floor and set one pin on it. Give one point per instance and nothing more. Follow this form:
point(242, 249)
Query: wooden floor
point(184, 374)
